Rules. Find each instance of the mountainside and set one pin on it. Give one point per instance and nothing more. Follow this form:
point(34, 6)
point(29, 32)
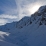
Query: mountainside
point(29, 31)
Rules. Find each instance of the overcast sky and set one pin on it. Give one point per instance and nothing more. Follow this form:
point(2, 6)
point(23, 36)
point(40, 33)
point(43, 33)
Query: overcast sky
point(13, 10)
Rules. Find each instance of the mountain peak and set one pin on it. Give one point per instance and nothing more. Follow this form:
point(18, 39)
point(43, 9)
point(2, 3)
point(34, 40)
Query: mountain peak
point(38, 17)
point(42, 9)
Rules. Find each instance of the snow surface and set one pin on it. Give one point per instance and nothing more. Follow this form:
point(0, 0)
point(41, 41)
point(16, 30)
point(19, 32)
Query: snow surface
point(4, 43)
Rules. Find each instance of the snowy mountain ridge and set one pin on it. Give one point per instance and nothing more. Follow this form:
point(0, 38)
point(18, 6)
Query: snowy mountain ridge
point(29, 31)
point(40, 15)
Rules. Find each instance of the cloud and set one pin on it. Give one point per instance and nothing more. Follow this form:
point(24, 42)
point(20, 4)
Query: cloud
point(21, 8)
point(3, 21)
point(13, 10)
point(3, 33)
point(7, 19)
point(8, 16)
point(25, 6)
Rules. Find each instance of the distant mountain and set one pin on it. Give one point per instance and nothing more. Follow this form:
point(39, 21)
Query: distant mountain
point(29, 31)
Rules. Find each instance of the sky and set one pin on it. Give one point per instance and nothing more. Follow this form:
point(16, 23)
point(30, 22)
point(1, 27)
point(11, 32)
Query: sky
point(14, 10)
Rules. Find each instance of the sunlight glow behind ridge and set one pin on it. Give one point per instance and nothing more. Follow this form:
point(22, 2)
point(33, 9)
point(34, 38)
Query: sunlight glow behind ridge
point(34, 9)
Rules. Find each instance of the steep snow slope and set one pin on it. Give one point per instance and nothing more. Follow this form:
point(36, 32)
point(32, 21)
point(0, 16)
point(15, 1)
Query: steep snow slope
point(3, 43)
point(29, 31)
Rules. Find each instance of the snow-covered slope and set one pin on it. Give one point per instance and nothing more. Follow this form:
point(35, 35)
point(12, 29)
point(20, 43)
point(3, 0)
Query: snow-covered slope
point(29, 31)
point(4, 43)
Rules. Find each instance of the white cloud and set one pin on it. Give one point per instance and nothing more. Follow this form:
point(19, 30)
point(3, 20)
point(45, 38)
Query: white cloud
point(8, 16)
point(3, 33)
point(7, 19)
point(24, 8)
point(3, 21)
